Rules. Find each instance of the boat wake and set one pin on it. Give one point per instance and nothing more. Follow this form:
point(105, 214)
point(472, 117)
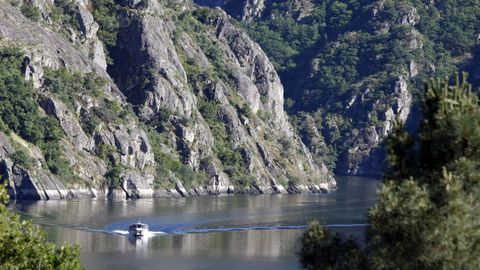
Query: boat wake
point(261, 228)
point(183, 230)
point(147, 234)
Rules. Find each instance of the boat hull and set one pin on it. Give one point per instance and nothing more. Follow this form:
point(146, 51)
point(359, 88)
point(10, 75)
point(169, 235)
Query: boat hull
point(137, 232)
point(138, 229)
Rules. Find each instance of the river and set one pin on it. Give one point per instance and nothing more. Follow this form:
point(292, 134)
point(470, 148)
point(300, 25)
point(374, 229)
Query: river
point(226, 232)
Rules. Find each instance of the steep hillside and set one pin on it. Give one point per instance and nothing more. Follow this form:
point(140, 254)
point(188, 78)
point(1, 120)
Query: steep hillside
point(139, 99)
point(351, 67)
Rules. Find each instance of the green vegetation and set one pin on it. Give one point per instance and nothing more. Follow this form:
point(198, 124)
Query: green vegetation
point(19, 112)
point(426, 214)
point(230, 157)
point(310, 126)
point(110, 154)
point(196, 25)
point(291, 42)
point(105, 14)
point(23, 245)
point(113, 175)
point(319, 250)
point(21, 157)
point(66, 12)
point(30, 11)
point(69, 86)
point(283, 38)
point(168, 168)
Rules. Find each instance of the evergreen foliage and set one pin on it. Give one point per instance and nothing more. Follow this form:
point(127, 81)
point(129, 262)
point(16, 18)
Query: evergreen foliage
point(426, 216)
point(66, 13)
point(23, 245)
point(30, 11)
point(104, 12)
point(21, 157)
point(19, 113)
point(320, 251)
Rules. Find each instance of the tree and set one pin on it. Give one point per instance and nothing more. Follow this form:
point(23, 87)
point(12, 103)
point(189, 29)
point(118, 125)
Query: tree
point(23, 245)
point(426, 216)
point(30, 11)
point(321, 251)
point(339, 16)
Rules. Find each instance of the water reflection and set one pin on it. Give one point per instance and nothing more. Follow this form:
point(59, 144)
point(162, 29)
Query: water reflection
point(92, 223)
point(140, 243)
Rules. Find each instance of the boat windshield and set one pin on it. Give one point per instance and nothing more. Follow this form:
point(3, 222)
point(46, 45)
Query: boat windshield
point(138, 226)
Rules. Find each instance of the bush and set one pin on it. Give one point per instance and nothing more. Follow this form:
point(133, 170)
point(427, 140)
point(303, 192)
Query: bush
point(167, 165)
point(69, 86)
point(109, 154)
point(113, 176)
point(317, 252)
point(24, 245)
point(244, 110)
point(208, 109)
point(30, 11)
point(22, 158)
point(105, 14)
point(66, 12)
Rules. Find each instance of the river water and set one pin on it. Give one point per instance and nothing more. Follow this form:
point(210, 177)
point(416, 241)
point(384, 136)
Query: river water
point(230, 232)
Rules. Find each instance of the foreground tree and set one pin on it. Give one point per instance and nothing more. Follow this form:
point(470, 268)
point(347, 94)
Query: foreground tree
point(23, 245)
point(426, 216)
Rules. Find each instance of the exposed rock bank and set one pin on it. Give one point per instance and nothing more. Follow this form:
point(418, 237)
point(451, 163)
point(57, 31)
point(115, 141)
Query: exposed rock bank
point(219, 119)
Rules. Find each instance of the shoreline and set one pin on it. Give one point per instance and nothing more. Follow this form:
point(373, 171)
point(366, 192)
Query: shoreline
point(176, 192)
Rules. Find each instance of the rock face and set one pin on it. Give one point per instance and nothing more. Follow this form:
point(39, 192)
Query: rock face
point(252, 82)
point(366, 156)
point(206, 105)
point(69, 124)
point(346, 79)
point(355, 124)
point(30, 184)
point(250, 10)
point(245, 10)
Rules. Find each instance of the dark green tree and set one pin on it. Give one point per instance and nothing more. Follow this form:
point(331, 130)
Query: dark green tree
point(23, 245)
point(30, 11)
point(321, 251)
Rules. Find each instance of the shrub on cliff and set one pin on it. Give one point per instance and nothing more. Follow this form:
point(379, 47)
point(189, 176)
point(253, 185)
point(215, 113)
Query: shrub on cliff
point(23, 245)
point(30, 11)
point(20, 114)
point(426, 216)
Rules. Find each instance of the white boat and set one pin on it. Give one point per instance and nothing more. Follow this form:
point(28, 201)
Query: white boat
point(138, 229)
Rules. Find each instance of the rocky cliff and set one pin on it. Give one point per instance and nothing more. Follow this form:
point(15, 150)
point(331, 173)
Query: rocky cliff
point(352, 68)
point(251, 10)
point(246, 10)
point(187, 105)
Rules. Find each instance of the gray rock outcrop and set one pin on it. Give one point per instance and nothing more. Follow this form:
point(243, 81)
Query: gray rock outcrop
point(151, 122)
point(68, 122)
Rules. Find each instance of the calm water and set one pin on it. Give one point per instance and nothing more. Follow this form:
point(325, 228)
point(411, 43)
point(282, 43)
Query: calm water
point(231, 232)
